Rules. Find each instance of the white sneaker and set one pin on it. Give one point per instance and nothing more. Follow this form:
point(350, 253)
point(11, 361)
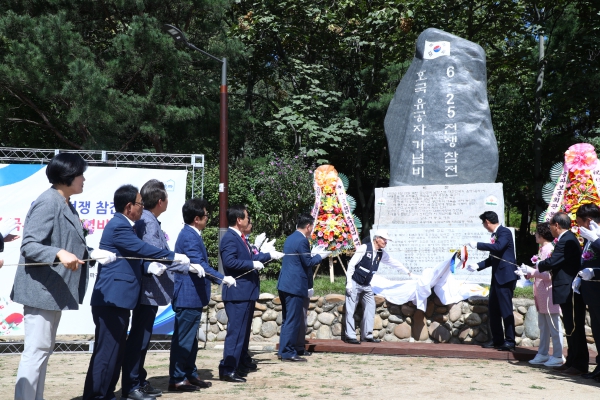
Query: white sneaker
point(554, 362)
point(539, 359)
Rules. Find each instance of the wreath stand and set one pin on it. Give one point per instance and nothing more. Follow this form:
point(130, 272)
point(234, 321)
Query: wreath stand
point(330, 268)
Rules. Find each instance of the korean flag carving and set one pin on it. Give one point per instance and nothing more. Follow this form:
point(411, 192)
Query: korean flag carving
point(436, 49)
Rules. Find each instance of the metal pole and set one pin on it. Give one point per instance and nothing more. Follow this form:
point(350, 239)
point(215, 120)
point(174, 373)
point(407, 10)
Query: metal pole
point(223, 160)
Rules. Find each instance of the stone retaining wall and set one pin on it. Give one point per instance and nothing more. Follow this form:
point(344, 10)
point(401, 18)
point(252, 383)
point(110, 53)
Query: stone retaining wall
point(462, 322)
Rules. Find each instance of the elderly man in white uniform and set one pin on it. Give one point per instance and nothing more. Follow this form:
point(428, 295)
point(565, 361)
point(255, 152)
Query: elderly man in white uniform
point(363, 265)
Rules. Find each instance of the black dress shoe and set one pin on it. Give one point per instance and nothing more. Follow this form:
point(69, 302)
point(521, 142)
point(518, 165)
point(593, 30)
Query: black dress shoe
point(232, 377)
point(149, 389)
point(183, 386)
point(507, 347)
point(372, 340)
point(137, 394)
point(241, 372)
point(351, 341)
point(199, 383)
point(491, 345)
point(305, 353)
point(594, 374)
point(251, 366)
point(294, 359)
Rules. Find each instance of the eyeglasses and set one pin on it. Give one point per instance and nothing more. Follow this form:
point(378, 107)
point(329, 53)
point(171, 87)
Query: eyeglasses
point(140, 203)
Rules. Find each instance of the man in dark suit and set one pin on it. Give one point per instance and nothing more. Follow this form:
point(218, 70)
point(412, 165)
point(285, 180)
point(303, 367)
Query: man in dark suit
point(156, 290)
point(503, 283)
point(293, 285)
point(191, 294)
point(565, 263)
point(588, 216)
point(117, 292)
point(237, 258)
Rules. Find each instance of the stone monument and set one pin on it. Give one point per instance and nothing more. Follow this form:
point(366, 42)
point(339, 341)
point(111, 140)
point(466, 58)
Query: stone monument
point(443, 157)
point(438, 125)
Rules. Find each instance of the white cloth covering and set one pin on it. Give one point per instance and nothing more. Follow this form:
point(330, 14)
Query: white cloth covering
point(417, 290)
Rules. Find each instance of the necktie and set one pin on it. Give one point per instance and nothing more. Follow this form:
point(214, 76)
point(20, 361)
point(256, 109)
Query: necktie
point(247, 245)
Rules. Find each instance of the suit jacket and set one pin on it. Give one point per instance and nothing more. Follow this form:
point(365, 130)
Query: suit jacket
point(191, 291)
point(1, 243)
point(156, 290)
point(504, 248)
point(296, 271)
point(118, 284)
point(237, 258)
point(51, 224)
point(564, 264)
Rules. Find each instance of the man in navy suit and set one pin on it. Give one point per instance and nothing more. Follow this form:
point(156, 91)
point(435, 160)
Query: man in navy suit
point(191, 294)
point(503, 283)
point(293, 285)
point(117, 292)
point(565, 263)
point(238, 259)
point(156, 290)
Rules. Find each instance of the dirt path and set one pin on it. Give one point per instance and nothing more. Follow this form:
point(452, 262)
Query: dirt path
point(329, 376)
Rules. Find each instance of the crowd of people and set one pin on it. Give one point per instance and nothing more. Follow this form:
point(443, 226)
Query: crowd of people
point(138, 272)
point(565, 283)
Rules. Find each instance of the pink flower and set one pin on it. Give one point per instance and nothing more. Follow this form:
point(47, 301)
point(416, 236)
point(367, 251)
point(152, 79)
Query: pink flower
point(581, 156)
point(493, 240)
point(587, 255)
point(321, 242)
point(320, 234)
point(535, 259)
point(166, 236)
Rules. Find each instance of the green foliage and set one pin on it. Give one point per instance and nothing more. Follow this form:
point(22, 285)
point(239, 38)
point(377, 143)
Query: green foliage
point(321, 285)
point(304, 77)
point(275, 189)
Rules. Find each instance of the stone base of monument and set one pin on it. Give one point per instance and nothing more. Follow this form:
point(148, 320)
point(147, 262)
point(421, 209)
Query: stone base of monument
point(428, 223)
point(419, 349)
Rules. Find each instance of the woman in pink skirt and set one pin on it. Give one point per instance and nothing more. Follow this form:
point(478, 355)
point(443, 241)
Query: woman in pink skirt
point(548, 313)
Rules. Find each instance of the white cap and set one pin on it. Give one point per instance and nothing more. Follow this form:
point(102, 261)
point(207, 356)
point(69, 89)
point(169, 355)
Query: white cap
point(383, 233)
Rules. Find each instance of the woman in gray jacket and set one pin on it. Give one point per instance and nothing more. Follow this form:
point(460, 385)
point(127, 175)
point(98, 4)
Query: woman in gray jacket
point(53, 235)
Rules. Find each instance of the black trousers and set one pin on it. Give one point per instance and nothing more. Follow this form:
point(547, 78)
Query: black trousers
point(590, 291)
point(501, 311)
point(573, 312)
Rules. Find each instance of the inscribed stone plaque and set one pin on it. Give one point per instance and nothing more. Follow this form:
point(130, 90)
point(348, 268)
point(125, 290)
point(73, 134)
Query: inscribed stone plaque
point(437, 205)
point(426, 222)
point(420, 248)
point(438, 125)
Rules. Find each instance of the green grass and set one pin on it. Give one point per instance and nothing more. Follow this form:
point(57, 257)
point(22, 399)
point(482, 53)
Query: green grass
point(322, 285)
point(524, 293)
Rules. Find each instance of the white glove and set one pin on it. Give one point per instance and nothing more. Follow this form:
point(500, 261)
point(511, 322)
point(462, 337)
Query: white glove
point(311, 292)
point(586, 274)
point(594, 227)
point(103, 256)
point(7, 226)
point(258, 265)
point(259, 240)
point(229, 280)
point(526, 269)
point(472, 267)
point(156, 268)
point(519, 273)
point(180, 259)
point(268, 247)
point(197, 269)
point(588, 234)
point(576, 284)
point(320, 250)
point(276, 255)
point(473, 245)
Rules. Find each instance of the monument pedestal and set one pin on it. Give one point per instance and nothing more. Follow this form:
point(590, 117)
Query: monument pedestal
point(427, 223)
